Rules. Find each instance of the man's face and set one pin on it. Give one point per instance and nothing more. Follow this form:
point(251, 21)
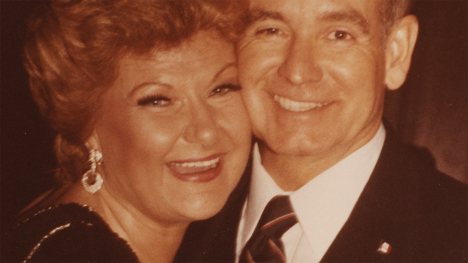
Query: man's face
point(313, 75)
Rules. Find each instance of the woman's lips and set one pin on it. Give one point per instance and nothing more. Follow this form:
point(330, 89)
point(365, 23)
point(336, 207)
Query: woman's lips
point(197, 170)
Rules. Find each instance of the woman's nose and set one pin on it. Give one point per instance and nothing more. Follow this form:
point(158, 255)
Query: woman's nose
point(301, 63)
point(202, 127)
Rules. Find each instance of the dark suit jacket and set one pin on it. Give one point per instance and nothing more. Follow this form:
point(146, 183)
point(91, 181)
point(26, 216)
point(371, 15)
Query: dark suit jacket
point(406, 203)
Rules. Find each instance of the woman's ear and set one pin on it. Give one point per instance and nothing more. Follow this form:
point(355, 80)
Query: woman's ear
point(399, 50)
point(93, 142)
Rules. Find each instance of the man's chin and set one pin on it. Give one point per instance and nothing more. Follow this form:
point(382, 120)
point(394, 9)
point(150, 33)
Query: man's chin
point(294, 146)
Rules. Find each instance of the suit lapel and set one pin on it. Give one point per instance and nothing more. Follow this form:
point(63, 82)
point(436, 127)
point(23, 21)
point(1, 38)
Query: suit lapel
point(380, 214)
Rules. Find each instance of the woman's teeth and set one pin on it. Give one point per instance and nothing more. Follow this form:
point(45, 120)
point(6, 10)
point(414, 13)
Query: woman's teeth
point(201, 171)
point(206, 164)
point(292, 105)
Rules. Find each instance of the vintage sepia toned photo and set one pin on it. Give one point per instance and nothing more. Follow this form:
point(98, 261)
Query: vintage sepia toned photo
point(234, 131)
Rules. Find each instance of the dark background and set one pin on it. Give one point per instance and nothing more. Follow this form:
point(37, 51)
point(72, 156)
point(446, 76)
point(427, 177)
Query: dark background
point(430, 110)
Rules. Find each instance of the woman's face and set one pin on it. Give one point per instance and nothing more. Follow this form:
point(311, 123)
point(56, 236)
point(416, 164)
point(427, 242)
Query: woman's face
point(173, 131)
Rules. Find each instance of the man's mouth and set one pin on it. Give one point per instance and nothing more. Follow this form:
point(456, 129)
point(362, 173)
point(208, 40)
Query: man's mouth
point(297, 106)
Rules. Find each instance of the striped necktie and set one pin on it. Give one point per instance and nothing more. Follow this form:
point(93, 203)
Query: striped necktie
point(265, 245)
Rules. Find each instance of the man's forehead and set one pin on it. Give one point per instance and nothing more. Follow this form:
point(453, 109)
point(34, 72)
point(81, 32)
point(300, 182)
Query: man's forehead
point(280, 9)
point(359, 12)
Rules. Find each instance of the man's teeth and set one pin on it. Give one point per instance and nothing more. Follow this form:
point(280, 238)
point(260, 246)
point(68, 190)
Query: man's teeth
point(209, 164)
point(292, 105)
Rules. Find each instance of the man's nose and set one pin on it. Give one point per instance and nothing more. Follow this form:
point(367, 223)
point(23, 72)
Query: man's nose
point(301, 64)
point(202, 127)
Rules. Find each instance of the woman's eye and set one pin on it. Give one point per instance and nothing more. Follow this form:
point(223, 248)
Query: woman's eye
point(154, 100)
point(225, 88)
point(340, 35)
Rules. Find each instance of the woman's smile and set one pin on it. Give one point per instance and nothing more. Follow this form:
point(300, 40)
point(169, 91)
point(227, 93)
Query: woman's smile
point(197, 170)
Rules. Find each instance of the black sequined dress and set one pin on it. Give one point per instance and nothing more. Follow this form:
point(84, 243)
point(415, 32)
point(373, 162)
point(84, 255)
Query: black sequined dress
point(65, 233)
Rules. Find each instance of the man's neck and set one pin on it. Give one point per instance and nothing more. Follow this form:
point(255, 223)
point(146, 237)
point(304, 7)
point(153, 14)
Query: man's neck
point(291, 172)
point(299, 169)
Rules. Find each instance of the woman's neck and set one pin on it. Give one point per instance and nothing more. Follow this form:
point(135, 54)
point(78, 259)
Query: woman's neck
point(152, 241)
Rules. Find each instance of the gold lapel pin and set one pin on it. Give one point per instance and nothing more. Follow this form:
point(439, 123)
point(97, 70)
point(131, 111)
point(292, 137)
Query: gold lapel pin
point(384, 248)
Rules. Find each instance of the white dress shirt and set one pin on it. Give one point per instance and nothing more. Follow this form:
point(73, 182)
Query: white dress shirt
point(322, 206)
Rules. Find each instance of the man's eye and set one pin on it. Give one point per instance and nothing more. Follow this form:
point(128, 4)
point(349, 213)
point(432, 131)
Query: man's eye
point(340, 35)
point(154, 100)
point(225, 88)
point(268, 31)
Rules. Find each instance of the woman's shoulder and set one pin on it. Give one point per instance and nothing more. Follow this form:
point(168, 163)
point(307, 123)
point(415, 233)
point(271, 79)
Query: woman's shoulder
point(66, 232)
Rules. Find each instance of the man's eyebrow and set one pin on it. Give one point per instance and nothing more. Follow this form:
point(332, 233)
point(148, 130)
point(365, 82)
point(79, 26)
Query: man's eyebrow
point(352, 16)
point(259, 15)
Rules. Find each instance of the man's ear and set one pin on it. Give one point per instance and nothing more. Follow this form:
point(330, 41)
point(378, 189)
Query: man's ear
point(398, 51)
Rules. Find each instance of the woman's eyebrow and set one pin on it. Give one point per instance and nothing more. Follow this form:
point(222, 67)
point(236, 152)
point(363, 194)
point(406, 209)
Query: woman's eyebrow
point(228, 65)
point(352, 16)
point(146, 84)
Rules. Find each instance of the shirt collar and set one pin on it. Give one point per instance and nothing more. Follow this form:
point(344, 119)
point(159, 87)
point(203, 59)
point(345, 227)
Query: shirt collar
point(324, 204)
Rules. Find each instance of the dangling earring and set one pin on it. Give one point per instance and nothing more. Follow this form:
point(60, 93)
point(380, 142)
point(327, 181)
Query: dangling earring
point(92, 180)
